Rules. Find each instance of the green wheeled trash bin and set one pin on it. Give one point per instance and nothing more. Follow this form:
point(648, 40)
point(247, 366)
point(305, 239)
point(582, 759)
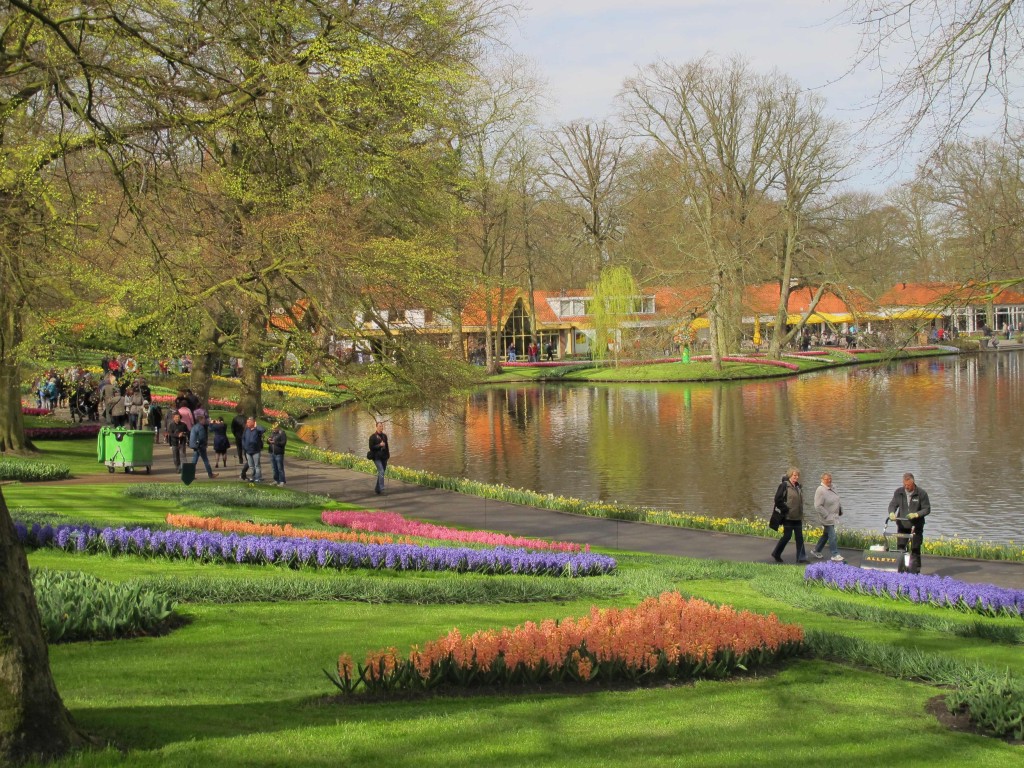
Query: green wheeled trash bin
point(128, 448)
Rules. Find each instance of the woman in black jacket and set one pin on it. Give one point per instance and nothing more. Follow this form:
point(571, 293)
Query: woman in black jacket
point(379, 454)
point(789, 500)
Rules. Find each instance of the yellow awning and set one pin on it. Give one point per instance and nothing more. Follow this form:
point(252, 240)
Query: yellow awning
point(911, 313)
point(820, 317)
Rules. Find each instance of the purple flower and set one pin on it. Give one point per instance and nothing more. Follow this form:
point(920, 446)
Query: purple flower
point(936, 590)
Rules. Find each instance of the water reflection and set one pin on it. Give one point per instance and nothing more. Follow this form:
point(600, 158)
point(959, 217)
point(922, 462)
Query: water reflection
point(721, 448)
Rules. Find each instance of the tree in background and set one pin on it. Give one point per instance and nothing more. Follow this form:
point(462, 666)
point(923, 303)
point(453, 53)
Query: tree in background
point(943, 62)
point(585, 169)
point(613, 299)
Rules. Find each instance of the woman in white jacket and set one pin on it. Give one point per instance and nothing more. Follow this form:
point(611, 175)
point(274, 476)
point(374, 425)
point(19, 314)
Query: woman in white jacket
point(826, 504)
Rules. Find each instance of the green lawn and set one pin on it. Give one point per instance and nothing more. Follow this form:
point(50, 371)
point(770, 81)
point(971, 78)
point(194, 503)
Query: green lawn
point(692, 371)
point(241, 684)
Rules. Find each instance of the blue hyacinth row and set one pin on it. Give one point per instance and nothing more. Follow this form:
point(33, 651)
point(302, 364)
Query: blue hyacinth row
point(935, 590)
point(294, 552)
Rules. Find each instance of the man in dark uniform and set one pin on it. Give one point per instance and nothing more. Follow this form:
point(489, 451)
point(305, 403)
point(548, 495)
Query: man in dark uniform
point(908, 508)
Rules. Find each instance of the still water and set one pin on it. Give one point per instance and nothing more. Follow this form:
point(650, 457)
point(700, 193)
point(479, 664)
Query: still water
point(721, 448)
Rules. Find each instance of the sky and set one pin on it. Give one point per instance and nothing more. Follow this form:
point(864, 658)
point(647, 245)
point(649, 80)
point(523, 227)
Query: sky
point(584, 49)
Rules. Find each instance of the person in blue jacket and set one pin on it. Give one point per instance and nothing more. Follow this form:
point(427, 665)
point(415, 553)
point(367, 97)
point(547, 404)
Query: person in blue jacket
point(252, 447)
point(197, 439)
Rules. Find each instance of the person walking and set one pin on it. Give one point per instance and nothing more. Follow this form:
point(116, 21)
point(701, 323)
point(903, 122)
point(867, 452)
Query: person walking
point(252, 447)
point(219, 430)
point(908, 509)
point(829, 509)
point(276, 442)
point(197, 439)
point(380, 454)
point(789, 500)
point(177, 438)
point(237, 428)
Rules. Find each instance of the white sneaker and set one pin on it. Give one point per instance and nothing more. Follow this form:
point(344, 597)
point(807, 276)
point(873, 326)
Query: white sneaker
point(817, 554)
point(837, 558)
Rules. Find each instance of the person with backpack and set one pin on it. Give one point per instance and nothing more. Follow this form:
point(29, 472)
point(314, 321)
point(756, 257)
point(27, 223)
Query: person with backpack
point(252, 447)
point(197, 439)
point(276, 443)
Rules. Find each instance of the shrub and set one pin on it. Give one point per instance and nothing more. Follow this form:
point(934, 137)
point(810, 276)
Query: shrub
point(76, 606)
point(29, 470)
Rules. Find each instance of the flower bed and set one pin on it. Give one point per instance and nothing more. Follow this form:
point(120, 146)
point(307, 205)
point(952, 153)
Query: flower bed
point(221, 403)
point(665, 638)
point(27, 410)
point(81, 432)
point(209, 546)
point(934, 590)
point(392, 522)
point(221, 525)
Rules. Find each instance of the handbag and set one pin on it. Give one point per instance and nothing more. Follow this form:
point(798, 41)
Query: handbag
point(775, 521)
point(369, 455)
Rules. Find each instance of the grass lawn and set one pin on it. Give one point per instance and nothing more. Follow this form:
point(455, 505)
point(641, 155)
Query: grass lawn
point(241, 684)
point(693, 371)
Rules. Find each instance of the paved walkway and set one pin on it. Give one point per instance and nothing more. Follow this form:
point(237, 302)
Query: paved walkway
point(441, 506)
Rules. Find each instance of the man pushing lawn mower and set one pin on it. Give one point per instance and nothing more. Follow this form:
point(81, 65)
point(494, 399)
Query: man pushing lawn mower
point(908, 509)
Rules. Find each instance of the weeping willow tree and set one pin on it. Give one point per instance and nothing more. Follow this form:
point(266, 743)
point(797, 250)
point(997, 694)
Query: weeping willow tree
point(613, 298)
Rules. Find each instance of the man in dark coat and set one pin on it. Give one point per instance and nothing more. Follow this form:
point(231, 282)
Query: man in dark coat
point(908, 509)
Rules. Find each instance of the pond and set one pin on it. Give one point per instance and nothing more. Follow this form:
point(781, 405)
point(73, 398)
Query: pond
point(721, 448)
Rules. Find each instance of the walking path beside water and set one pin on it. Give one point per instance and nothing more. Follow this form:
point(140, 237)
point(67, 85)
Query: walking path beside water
point(449, 507)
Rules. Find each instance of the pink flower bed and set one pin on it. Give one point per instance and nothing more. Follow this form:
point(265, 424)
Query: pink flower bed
point(394, 523)
point(751, 360)
point(29, 411)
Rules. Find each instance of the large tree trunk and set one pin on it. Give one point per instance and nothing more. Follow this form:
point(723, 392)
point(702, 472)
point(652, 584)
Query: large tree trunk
point(33, 720)
point(12, 425)
point(206, 355)
point(253, 331)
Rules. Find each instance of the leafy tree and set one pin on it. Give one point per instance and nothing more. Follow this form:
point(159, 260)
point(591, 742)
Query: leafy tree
point(613, 299)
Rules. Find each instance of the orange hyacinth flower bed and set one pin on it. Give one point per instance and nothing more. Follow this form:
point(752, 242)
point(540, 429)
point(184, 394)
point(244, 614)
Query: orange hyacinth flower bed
point(665, 638)
point(266, 529)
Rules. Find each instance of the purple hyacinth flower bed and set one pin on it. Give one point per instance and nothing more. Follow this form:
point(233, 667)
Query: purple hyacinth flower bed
point(210, 546)
point(935, 590)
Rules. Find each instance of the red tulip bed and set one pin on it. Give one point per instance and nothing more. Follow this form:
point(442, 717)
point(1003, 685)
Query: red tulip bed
point(669, 638)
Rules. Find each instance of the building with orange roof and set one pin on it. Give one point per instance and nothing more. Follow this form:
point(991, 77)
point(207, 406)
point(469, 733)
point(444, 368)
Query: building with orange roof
point(964, 307)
